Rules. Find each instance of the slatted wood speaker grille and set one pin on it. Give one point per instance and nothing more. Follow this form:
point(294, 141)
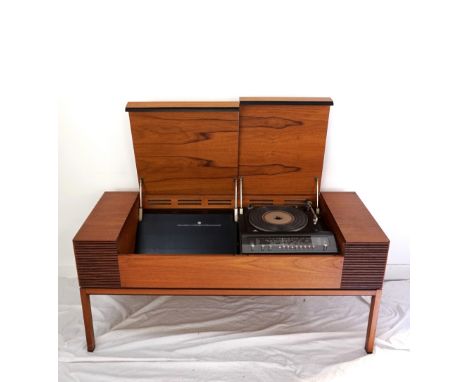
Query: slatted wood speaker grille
point(219, 201)
point(256, 201)
point(364, 265)
point(260, 202)
point(169, 202)
point(97, 264)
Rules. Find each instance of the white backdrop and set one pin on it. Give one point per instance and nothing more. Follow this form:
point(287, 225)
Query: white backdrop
point(172, 51)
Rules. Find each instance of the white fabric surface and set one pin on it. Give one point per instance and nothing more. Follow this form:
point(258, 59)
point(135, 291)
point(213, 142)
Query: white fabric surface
point(166, 338)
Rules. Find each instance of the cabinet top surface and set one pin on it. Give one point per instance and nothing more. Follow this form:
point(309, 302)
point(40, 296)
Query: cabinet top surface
point(154, 106)
point(287, 100)
point(107, 218)
point(353, 219)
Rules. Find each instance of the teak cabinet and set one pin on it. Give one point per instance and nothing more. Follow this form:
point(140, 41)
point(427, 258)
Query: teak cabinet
point(187, 155)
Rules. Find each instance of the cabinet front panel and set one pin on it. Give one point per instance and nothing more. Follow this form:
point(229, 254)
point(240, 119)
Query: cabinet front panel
point(231, 271)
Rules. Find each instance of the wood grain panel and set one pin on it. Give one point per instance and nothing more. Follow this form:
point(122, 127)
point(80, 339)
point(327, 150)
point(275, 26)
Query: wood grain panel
point(355, 222)
point(106, 220)
point(359, 237)
point(110, 229)
point(127, 237)
point(230, 271)
point(281, 148)
point(186, 153)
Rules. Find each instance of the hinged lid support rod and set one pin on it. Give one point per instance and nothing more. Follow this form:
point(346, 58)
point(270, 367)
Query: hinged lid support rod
point(140, 210)
point(235, 201)
point(317, 191)
point(241, 210)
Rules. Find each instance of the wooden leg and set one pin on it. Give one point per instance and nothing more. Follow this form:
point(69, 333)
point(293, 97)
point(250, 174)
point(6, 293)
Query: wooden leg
point(372, 323)
point(88, 319)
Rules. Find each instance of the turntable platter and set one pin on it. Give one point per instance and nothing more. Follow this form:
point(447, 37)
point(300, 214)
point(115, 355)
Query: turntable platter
point(278, 219)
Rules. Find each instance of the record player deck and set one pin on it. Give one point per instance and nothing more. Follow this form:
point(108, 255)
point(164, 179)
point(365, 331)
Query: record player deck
point(284, 229)
point(264, 230)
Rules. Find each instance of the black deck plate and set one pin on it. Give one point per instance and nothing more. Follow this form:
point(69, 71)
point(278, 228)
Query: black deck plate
point(190, 233)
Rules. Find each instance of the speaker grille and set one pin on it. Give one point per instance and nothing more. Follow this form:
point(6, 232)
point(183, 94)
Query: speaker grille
point(364, 265)
point(97, 264)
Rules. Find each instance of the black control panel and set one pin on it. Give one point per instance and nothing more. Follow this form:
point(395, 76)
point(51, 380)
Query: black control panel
point(323, 242)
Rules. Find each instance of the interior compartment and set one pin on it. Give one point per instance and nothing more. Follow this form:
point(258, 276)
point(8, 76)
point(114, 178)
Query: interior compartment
point(192, 157)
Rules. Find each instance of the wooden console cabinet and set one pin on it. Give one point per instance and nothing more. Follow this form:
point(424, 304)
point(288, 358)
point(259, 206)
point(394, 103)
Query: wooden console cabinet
point(187, 155)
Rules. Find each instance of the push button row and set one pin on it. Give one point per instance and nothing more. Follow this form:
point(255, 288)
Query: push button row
point(284, 246)
point(267, 247)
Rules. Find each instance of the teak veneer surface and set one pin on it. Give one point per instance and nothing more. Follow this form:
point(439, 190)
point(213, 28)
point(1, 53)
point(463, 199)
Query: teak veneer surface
point(281, 148)
point(354, 220)
point(231, 271)
point(106, 220)
point(186, 153)
point(110, 229)
point(360, 239)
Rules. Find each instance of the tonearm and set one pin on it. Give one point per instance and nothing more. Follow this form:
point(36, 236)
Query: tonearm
point(310, 207)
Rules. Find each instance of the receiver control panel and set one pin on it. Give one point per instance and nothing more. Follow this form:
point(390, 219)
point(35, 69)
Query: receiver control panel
point(316, 243)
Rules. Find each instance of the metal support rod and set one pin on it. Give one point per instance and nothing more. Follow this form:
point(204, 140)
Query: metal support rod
point(140, 210)
point(235, 201)
point(241, 210)
point(317, 191)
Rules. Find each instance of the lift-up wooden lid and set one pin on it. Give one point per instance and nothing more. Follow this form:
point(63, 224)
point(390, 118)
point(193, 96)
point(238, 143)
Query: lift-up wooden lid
point(186, 152)
point(281, 148)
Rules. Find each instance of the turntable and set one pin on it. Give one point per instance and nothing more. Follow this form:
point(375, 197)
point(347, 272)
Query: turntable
point(284, 229)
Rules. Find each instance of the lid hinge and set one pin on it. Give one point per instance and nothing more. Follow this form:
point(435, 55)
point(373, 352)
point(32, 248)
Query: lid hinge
point(140, 210)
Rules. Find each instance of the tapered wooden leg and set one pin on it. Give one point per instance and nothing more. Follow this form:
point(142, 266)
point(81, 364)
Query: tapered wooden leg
point(372, 323)
point(88, 319)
